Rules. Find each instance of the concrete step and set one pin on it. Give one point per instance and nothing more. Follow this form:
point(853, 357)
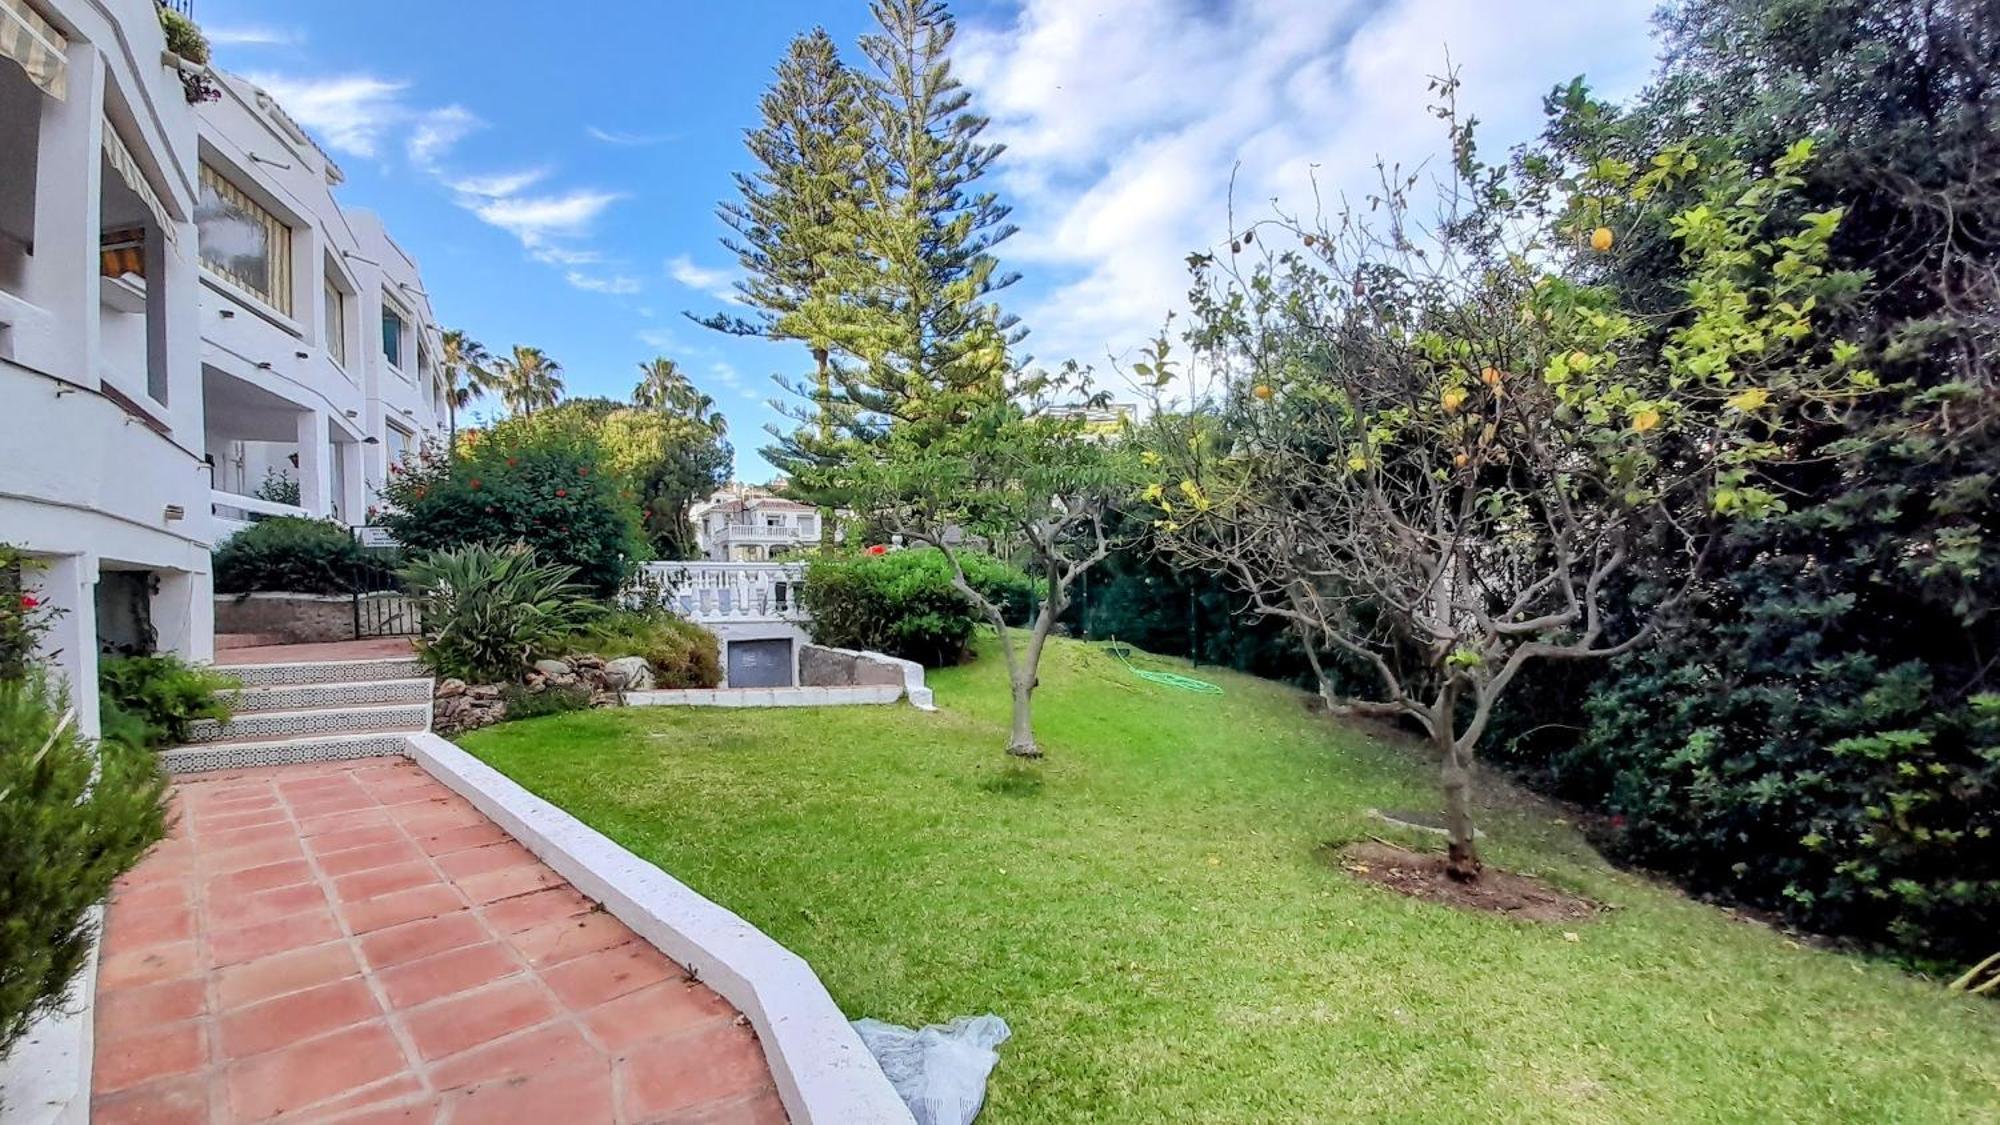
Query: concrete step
point(226, 641)
point(313, 721)
point(324, 671)
point(243, 753)
point(311, 697)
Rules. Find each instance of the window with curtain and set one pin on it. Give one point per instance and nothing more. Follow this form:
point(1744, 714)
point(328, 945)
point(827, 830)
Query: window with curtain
point(336, 323)
point(393, 329)
point(244, 242)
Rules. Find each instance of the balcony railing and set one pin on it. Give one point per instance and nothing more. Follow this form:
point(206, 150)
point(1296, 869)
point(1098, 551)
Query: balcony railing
point(722, 592)
point(233, 511)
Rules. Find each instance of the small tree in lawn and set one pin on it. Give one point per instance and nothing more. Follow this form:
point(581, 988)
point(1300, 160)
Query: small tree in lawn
point(1446, 448)
point(1012, 470)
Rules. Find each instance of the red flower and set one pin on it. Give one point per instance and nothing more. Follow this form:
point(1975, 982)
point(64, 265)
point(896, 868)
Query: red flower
point(878, 549)
point(473, 484)
point(583, 470)
point(29, 601)
point(395, 468)
point(1617, 822)
point(648, 513)
point(513, 461)
point(562, 492)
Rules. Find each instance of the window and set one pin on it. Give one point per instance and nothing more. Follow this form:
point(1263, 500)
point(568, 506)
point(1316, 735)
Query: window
point(336, 323)
point(807, 526)
point(393, 328)
point(774, 523)
point(399, 443)
point(244, 242)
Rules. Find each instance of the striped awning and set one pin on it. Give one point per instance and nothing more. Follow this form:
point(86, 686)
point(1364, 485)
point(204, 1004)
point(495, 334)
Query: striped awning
point(120, 159)
point(41, 50)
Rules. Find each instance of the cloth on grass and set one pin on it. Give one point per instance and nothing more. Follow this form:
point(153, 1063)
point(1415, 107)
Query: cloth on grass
point(941, 1069)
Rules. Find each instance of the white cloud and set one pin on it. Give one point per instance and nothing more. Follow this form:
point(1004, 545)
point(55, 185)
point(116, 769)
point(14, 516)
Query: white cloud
point(437, 131)
point(725, 374)
point(630, 140)
point(658, 339)
point(1123, 123)
point(619, 285)
point(717, 283)
point(495, 185)
point(533, 219)
point(251, 35)
point(351, 112)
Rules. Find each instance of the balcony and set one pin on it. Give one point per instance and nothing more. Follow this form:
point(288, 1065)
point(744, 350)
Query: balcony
point(714, 593)
point(232, 511)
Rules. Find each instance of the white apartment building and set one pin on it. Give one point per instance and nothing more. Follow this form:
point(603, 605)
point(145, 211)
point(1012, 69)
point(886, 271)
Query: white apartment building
point(743, 523)
point(183, 307)
point(319, 348)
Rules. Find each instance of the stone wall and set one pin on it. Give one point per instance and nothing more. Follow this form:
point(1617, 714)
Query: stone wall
point(840, 667)
point(824, 666)
point(294, 618)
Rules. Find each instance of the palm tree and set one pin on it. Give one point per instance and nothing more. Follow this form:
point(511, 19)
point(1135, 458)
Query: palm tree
point(529, 380)
point(663, 386)
point(468, 374)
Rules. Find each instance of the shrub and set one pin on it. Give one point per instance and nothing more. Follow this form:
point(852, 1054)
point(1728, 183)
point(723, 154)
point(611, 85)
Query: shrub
point(903, 603)
point(290, 554)
point(162, 695)
point(488, 611)
point(66, 835)
point(278, 488)
point(24, 617)
point(681, 653)
point(529, 481)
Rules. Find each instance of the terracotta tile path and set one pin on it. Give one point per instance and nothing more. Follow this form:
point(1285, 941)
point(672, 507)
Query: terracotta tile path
point(353, 942)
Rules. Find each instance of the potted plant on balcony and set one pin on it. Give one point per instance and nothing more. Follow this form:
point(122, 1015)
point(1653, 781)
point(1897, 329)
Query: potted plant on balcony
point(185, 41)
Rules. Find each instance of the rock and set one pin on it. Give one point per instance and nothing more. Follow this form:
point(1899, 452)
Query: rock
point(553, 668)
point(451, 688)
point(587, 661)
point(629, 673)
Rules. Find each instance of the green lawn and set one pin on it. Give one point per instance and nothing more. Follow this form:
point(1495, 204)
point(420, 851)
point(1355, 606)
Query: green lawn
point(1151, 912)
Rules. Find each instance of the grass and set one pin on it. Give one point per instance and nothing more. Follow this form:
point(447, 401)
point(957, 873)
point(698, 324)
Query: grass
point(1151, 911)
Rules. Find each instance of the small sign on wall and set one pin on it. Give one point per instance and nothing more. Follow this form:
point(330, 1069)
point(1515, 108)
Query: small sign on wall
point(375, 537)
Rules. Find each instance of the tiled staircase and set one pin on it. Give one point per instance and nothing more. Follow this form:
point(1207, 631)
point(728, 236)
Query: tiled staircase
point(311, 711)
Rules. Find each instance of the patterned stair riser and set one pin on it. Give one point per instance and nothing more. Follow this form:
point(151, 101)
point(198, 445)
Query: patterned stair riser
point(238, 755)
point(303, 697)
point(338, 720)
point(323, 672)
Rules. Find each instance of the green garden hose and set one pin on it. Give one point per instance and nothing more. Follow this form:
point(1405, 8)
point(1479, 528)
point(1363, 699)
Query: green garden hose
point(1164, 679)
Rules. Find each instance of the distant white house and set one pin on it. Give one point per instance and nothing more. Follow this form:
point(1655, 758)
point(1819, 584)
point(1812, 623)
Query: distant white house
point(746, 523)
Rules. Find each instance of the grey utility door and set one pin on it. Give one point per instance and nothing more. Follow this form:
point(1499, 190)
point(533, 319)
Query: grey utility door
point(760, 663)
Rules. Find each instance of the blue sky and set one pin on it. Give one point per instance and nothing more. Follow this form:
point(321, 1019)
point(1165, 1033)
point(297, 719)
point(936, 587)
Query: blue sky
point(555, 168)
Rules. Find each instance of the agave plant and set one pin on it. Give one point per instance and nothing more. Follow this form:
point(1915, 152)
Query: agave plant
point(487, 610)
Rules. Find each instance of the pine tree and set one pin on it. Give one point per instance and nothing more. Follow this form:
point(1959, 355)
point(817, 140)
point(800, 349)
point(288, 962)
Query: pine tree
point(928, 341)
point(794, 229)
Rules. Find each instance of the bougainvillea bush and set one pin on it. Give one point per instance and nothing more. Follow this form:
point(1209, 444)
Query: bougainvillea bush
point(522, 482)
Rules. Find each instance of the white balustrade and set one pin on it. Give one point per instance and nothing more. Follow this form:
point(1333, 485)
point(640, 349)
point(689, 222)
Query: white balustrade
point(710, 592)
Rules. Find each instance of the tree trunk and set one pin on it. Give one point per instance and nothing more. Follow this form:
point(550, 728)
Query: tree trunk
point(1462, 851)
point(1326, 692)
point(823, 382)
point(1021, 743)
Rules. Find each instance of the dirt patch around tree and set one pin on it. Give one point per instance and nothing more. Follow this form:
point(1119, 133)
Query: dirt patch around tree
point(1423, 876)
